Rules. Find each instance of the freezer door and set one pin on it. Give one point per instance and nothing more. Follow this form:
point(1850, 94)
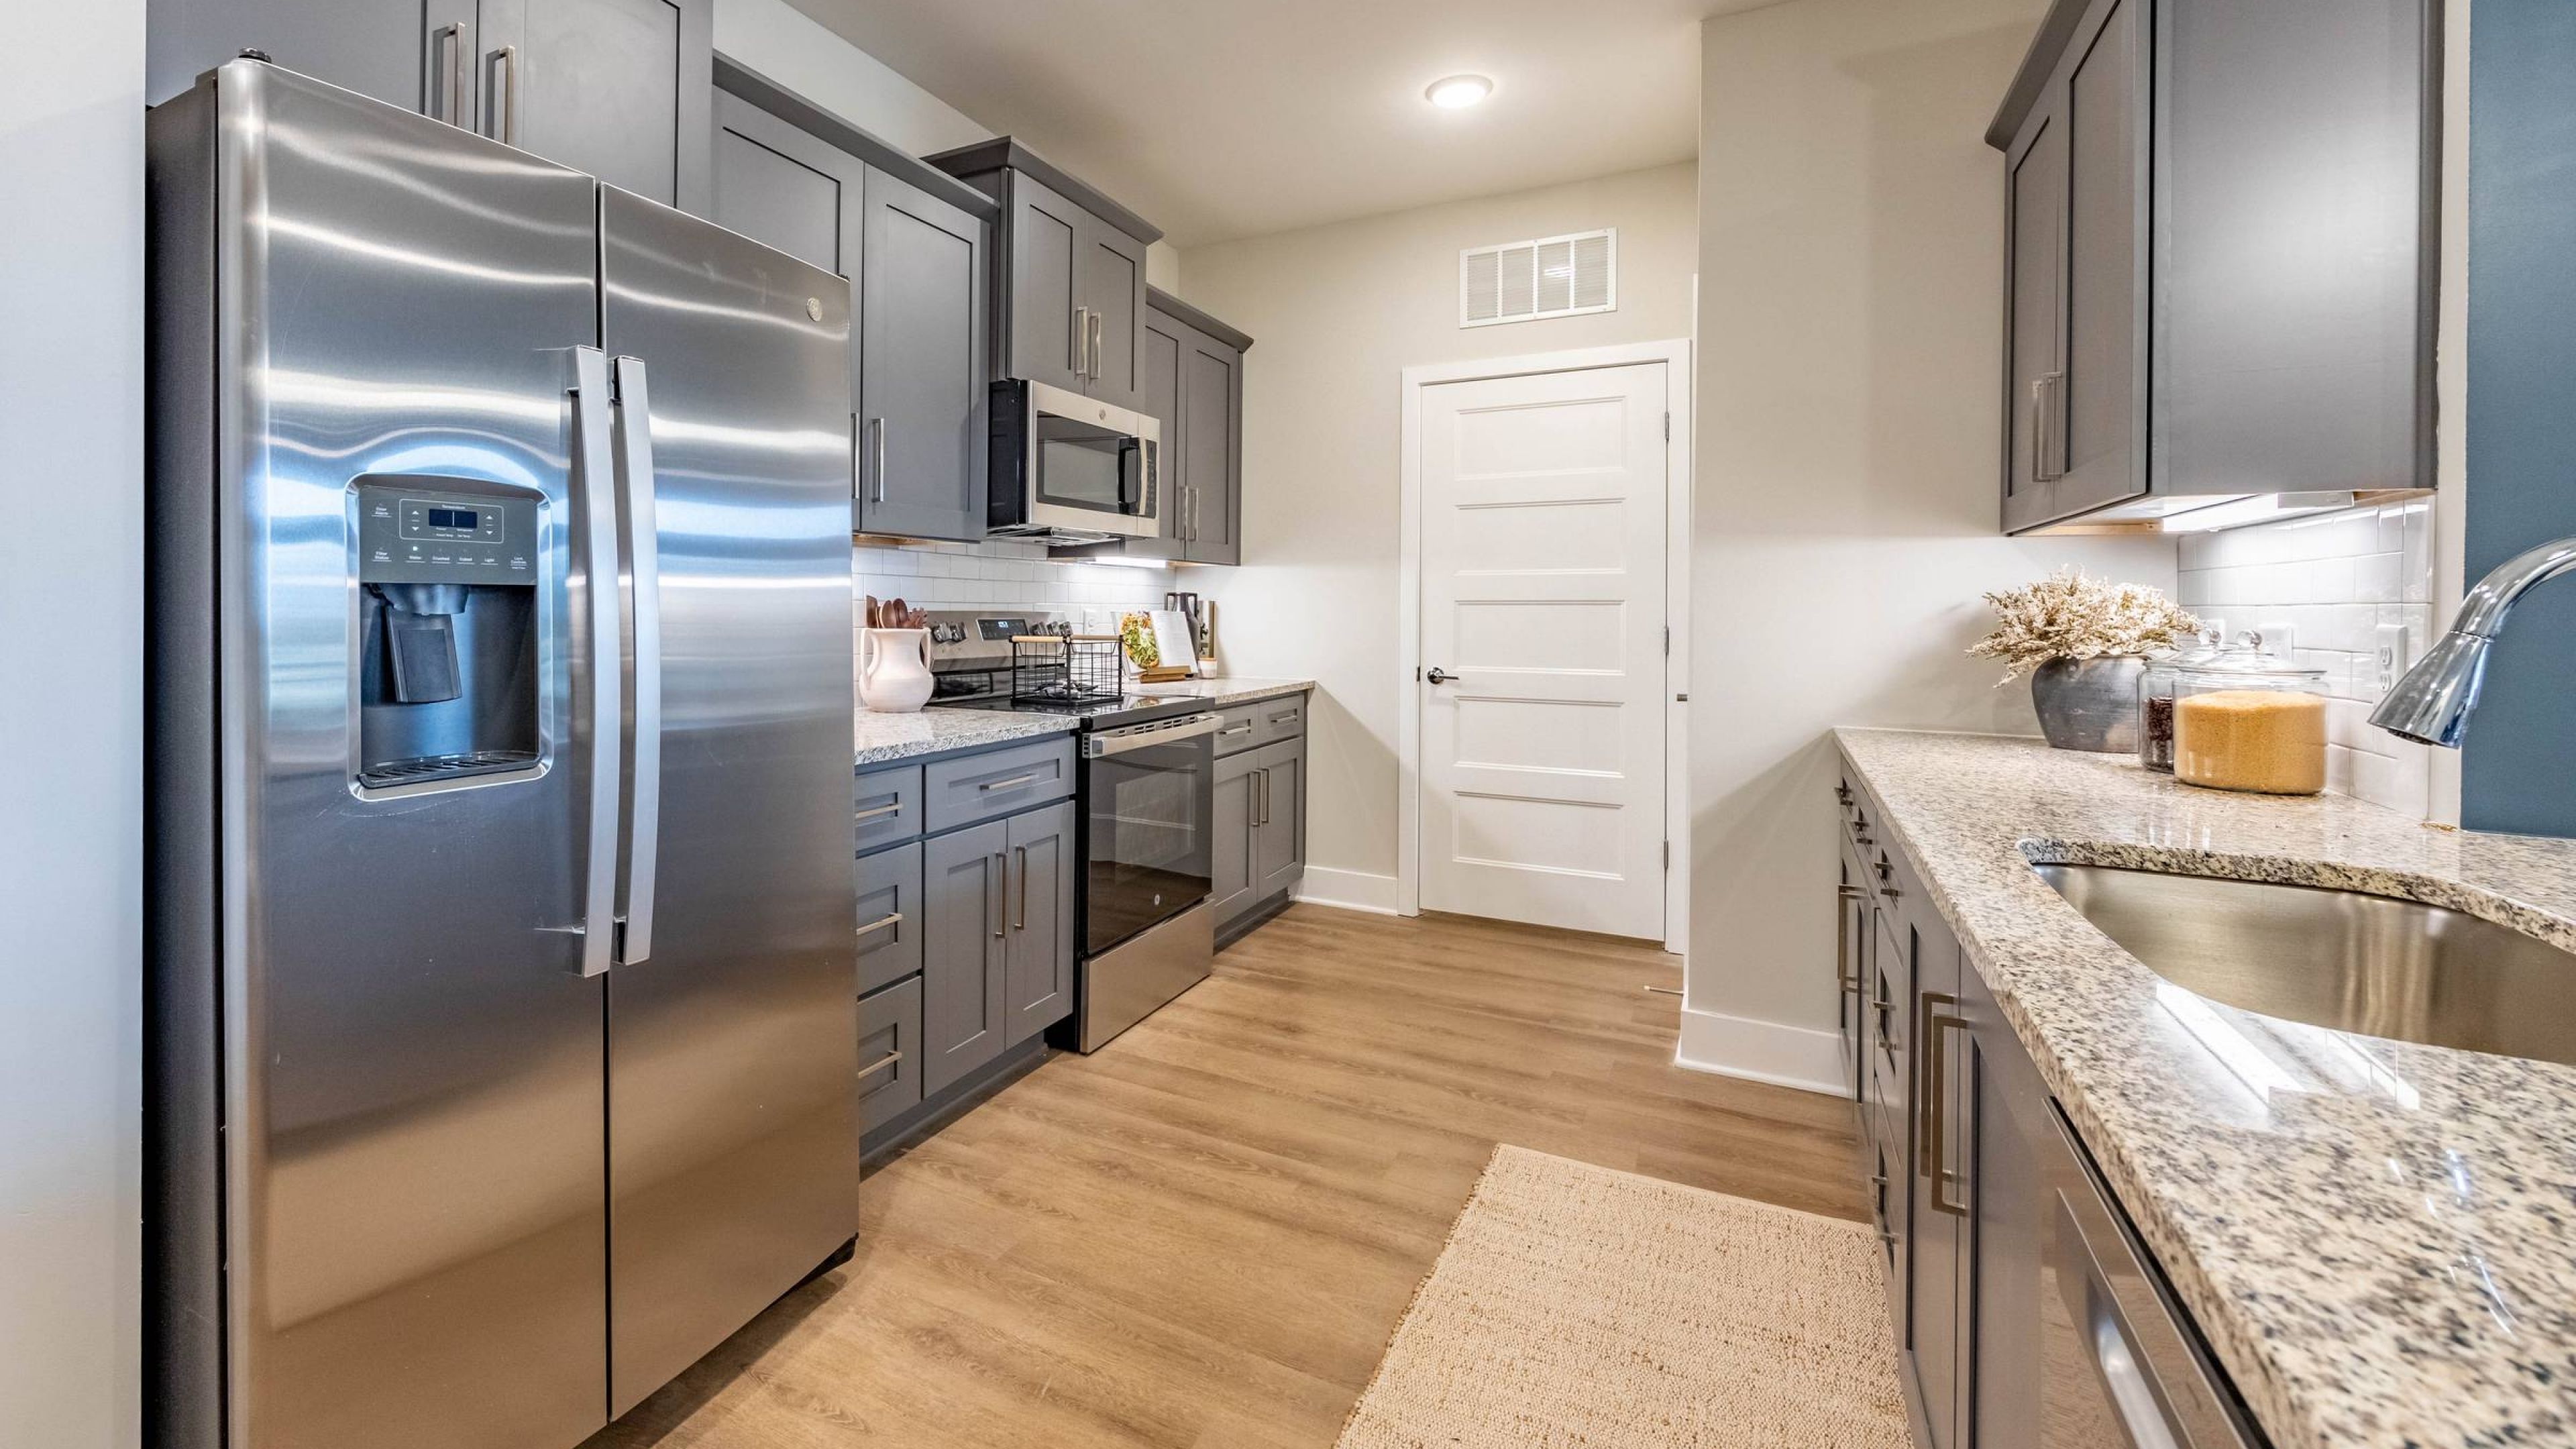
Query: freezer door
point(732, 1061)
point(413, 1201)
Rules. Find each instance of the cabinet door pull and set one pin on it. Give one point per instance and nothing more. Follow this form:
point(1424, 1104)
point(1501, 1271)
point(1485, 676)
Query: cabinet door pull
point(505, 62)
point(877, 483)
point(1082, 342)
point(997, 895)
point(1013, 783)
point(1244, 728)
point(453, 38)
point(2044, 391)
point(890, 918)
point(1023, 922)
point(1095, 346)
point(1940, 1024)
point(880, 811)
point(1924, 1067)
point(879, 1065)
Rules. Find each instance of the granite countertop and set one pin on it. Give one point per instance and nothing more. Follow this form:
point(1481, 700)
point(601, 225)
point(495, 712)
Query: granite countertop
point(1224, 689)
point(885, 738)
point(2379, 1240)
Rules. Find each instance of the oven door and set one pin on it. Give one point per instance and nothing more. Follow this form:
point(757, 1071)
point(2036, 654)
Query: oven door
point(1149, 793)
point(1089, 467)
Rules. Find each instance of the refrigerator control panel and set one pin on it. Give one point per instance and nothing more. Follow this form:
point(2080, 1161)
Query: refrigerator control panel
point(408, 534)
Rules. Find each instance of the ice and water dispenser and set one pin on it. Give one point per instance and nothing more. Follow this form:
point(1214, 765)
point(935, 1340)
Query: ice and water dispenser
point(448, 654)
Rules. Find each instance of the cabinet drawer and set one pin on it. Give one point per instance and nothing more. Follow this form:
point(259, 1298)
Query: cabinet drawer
point(1241, 730)
point(889, 806)
point(889, 1052)
point(980, 787)
point(1279, 719)
point(890, 916)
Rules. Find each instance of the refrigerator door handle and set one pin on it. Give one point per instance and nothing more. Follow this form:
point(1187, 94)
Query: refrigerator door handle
point(597, 647)
point(640, 849)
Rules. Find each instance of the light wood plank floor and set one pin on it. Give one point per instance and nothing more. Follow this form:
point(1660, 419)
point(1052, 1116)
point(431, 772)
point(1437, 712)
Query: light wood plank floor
point(1203, 1235)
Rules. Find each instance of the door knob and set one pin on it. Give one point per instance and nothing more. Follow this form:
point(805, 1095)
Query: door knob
point(1440, 676)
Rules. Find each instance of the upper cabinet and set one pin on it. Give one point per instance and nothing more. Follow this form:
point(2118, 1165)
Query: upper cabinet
point(913, 243)
point(618, 88)
point(1192, 373)
point(2220, 223)
point(1069, 280)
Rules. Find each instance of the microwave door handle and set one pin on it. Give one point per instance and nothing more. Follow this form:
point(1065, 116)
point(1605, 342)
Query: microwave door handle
point(596, 648)
point(641, 848)
point(1131, 474)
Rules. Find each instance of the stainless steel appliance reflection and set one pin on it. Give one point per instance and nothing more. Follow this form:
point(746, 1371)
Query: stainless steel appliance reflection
point(502, 1032)
point(1065, 468)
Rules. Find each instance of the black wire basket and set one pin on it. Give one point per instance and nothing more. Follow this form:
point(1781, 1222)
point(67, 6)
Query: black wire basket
point(1061, 669)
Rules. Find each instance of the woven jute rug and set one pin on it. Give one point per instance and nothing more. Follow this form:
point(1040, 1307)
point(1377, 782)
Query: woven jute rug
point(1575, 1305)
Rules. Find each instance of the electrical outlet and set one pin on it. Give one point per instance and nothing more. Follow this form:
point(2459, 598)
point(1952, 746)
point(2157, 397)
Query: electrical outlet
point(2394, 654)
point(2280, 640)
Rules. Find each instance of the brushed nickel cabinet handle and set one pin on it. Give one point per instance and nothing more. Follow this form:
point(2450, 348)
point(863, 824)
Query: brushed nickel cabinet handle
point(1013, 783)
point(878, 483)
point(1023, 923)
point(999, 894)
point(1940, 1025)
point(506, 114)
point(890, 918)
point(1082, 342)
point(880, 1064)
point(453, 37)
point(1095, 346)
point(880, 811)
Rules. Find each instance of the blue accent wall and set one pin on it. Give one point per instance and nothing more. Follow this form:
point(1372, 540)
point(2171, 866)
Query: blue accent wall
point(2519, 768)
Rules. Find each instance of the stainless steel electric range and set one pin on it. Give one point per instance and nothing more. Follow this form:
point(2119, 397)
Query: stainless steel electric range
point(1147, 805)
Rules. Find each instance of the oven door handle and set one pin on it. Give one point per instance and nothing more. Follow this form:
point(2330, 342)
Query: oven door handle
point(1146, 736)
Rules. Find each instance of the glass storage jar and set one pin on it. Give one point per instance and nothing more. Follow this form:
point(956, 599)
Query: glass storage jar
point(2156, 698)
point(2247, 720)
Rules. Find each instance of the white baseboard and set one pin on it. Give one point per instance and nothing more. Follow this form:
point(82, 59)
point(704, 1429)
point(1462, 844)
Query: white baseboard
point(1352, 890)
point(1761, 1051)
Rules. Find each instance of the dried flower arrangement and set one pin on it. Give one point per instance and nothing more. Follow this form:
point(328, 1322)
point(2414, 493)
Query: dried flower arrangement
point(2069, 615)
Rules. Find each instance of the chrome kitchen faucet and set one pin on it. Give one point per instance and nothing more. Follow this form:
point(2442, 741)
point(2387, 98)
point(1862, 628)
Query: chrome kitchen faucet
point(2431, 704)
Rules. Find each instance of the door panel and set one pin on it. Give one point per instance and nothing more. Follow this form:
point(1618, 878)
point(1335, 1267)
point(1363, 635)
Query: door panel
point(1212, 396)
point(1112, 283)
point(962, 952)
point(2034, 332)
point(1038, 968)
point(412, 1102)
point(923, 387)
point(776, 199)
point(1166, 343)
point(1543, 502)
point(1046, 258)
point(1932, 1336)
point(1234, 834)
point(732, 1133)
point(617, 88)
point(2106, 267)
point(1278, 848)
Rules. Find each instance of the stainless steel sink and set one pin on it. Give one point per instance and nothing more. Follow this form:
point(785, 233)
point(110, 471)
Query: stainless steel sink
point(2338, 959)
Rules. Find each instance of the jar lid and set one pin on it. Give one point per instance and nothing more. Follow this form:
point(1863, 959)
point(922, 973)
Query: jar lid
point(2246, 661)
point(2203, 647)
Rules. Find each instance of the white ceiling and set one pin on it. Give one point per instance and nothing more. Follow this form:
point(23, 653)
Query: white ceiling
point(1217, 119)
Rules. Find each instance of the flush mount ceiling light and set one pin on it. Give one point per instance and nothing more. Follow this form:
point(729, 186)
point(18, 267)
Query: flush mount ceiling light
point(1457, 92)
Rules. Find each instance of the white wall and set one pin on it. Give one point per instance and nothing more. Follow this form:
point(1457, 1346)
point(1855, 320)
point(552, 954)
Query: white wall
point(1849, 345)
point(1337, 313)
point(71, 650)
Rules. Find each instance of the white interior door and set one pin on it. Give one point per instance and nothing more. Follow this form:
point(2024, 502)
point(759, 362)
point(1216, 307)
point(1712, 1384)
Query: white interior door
point(1543, 503)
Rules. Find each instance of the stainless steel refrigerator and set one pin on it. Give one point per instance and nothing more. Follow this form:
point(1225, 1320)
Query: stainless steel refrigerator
point(501, 1017)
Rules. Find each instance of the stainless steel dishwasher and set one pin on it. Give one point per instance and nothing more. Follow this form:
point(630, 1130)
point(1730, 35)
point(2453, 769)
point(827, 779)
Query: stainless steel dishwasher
point(2121, 1366)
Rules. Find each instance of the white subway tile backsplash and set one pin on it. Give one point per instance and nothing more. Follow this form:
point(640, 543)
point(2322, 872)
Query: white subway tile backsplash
point(997, 575)
point(2333, 579)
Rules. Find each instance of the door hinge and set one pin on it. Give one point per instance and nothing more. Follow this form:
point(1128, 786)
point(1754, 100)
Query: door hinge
point(1668, 641)
point(1668, 855)
point(1668, 426)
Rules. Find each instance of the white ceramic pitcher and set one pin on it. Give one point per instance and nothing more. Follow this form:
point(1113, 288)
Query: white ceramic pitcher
point(894, 669)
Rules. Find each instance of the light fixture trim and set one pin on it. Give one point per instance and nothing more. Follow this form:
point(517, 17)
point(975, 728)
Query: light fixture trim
point(1458, 92)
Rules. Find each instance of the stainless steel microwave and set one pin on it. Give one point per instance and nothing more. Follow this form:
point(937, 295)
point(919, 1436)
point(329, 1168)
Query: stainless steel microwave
point(1071, 468)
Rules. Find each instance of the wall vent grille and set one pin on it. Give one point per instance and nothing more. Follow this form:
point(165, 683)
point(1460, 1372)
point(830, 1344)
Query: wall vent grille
point(1553, 276)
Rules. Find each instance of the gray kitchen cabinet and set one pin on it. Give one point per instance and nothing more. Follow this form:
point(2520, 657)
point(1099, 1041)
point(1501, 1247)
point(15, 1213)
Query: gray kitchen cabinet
point(2220, 226)
point(1231, 867)
point(1279, 818)
point(914, 244)
point(889, 1052)
point(617, 88)
point(1069, 274)
point(1941, 1244)
point(964, 951)
point(890, 915)
point(1038, 953)
point(1192, 382)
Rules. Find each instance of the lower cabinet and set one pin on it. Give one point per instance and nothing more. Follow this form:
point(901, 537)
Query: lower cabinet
point(1259, 850)
point(2026, 1310)
point(1037, 952)
point(889, 1052)
point(963, 894)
